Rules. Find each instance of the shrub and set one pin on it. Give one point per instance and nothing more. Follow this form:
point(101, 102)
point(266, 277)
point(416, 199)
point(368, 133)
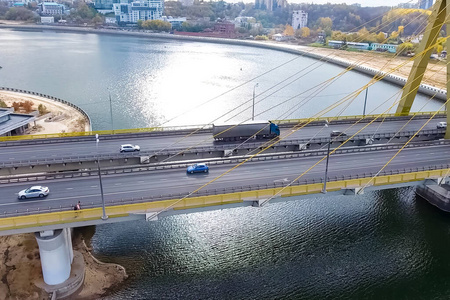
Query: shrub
point(27, 106)
point(261, 37)
point(42, 109)
point(16, 106)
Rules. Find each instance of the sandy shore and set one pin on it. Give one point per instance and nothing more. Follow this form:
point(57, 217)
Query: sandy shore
point(19, 254)
point(21, 268)
point(59, 117)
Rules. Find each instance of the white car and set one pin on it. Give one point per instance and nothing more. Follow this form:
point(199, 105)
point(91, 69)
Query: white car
point(129, 148)
point(442, 125)
point(34, 192)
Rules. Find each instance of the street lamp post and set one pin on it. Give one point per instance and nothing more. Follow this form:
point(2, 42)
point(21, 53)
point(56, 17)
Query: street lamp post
point(111, 112)
point(326, 168)
point(104, 216)
point(253, 107)
point(365, 102)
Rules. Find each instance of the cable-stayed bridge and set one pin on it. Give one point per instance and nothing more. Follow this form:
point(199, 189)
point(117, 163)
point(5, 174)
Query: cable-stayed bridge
point(318, 156)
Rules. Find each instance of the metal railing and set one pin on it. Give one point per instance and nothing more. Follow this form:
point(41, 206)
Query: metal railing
point(217, 147)
point(210, 197)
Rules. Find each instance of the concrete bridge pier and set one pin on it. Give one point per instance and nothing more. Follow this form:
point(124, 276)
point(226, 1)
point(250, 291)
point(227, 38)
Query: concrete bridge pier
point(62, 268)
point(436, 192)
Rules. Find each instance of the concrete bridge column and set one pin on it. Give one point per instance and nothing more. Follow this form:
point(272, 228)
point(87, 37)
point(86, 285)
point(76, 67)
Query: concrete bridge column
point(55, 248)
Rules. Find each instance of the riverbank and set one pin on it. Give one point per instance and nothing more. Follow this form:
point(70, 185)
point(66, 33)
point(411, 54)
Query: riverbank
point(397, 66)
point(21, 267)
point(58, 118)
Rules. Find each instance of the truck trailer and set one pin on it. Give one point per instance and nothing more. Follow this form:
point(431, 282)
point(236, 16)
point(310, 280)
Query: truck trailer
point(253, 129)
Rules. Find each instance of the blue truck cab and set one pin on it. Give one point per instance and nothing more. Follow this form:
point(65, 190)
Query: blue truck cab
point(274, 129)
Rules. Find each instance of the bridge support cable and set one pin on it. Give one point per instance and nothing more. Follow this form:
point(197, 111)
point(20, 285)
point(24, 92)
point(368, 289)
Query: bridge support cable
point(403, 147)
point(439, 17)
point(359, 190)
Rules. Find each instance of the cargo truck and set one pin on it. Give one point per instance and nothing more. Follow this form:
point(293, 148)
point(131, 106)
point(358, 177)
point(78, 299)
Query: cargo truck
point(253, 129)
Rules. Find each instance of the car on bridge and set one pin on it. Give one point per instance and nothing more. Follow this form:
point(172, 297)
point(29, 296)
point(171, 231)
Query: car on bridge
point(197, 168)
point(338, 133)
point(34, 192)
point(129, 148)
point(442, 125)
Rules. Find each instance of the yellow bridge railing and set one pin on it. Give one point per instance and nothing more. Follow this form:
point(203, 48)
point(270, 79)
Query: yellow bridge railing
point(72, 217)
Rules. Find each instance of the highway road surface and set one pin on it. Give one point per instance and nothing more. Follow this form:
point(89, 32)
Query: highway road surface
point(153, 144)
point(66, 192)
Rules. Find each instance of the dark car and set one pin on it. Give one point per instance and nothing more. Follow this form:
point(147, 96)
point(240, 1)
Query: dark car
point(197, 168)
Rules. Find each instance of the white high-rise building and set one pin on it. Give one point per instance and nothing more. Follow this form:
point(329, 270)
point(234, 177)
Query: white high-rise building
point(425, 4)
point(131, 12)
point(187, 2)
point(299, 19)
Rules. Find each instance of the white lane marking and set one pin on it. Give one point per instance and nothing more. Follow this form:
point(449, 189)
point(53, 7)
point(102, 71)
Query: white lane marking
point(69, 188)
point(117, 183)
point(93, 186)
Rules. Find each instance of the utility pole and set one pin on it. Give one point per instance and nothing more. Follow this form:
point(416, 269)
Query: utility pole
point(326, 168)
point(104, 216)
point(253, 107)
point(110, 110)
point(365, 102)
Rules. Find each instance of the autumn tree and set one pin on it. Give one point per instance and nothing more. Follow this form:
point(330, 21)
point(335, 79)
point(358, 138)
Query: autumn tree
point(289, 30)
point(404, 48)
point(157, 25)
point(16, 106)
point(305, 32)
point(27, 106)
point(381, 37)
point(325, 23)
point(338, 36)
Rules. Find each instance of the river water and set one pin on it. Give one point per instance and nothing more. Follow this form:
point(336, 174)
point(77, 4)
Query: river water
point(381, 245)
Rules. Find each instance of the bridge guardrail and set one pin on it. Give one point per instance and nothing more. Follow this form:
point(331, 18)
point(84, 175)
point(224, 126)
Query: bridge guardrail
point(251, 191)
point(219, 161)
point(362, 118)
point(177, 130)
point(216, 147)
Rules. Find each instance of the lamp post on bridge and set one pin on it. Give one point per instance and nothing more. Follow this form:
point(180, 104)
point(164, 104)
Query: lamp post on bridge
point(253, 107)
point(104, 216)
point(365, 102)
point(111, 112)
point(326, 167)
